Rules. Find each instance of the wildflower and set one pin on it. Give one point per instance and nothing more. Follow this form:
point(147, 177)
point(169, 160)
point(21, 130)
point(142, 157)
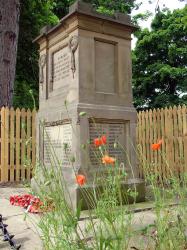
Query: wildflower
point(81, 179)
point(156, 146)
point(108, 160)
point(103, 140)
point(100, 141)
point(97, 142)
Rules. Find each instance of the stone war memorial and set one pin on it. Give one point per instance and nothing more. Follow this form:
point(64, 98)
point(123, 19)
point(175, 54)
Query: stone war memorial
point(85, 66)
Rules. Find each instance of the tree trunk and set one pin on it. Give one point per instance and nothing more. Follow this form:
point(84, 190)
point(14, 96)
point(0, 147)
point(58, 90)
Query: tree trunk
point(9, 29)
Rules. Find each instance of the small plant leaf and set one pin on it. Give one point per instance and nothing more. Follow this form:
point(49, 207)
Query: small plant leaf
point(82, 113)
point(72, 159)
point(78, 213)
point(47, 183)
point(83, 146)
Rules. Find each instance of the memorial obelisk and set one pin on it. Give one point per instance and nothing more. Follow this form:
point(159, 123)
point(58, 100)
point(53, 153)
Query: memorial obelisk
point(85, 66)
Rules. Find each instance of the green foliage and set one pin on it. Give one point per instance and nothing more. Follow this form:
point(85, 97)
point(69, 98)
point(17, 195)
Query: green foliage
point(159, 62)
point(108, 6)
point(103, 6)
point(61, 7)
point(34, 15)
point(141, 16)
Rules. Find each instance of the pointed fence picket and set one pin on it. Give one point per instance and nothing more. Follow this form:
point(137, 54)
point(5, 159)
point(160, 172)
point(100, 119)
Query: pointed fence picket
point(17, 144)
point(170, 125)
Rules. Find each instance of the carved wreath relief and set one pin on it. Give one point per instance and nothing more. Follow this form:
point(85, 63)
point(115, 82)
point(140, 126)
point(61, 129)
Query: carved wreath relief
point(42, 62)
point(73, 45)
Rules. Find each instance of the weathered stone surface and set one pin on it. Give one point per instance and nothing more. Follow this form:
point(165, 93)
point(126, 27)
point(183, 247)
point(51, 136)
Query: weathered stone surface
point(58, 138)
point(134, 185)
point(88, 69)
point(115, 133)
point(105, 67)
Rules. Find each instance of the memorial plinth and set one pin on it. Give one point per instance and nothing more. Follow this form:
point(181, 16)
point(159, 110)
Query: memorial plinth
point(85, 63)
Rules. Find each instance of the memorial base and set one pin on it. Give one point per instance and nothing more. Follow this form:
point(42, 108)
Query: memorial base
point(81, 194)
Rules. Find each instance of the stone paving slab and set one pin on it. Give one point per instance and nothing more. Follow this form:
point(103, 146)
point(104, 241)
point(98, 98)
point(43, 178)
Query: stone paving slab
point(27, 234)
point(25, 231)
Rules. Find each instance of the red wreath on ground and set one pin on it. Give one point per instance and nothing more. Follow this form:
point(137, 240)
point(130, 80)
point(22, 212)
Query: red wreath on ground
point(31, 203)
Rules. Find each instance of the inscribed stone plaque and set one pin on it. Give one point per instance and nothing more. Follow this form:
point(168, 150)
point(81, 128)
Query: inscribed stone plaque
point(115, 133)
point(104, 67)
point(61, 65)
point(58, 143)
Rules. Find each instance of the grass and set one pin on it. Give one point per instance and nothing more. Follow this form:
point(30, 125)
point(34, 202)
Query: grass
point(110, 224)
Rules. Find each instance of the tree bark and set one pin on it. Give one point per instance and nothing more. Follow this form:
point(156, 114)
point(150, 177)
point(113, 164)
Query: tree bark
point(9, 30)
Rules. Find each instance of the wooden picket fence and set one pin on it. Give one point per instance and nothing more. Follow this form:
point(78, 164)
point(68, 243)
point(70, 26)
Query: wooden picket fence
point(17, 144)
point(170, 125)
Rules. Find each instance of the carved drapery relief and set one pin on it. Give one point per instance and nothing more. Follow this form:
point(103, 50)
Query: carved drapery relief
point(42, 62)
point(73, 45)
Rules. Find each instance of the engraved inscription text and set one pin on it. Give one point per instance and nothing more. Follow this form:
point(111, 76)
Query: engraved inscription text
point(57, 144)
point(115, 133)
point(61, 68)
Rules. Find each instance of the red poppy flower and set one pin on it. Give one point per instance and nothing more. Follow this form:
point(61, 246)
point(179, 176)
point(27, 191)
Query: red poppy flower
point(108, 160)
point(81, 179)
point(103, 140)
point(97, 142)
point(156, 146)
point(100, 141)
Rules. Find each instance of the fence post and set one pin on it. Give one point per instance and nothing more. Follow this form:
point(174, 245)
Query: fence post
point(33, 138)
point(28, 145)
point(12, 144)
point(2, 144)
point(23, 140)
point(18, 156)
point(184, 121)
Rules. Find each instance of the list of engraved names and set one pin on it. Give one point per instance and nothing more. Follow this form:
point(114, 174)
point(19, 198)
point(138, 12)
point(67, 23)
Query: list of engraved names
point(115, 133)
point(61, 65)
point(57, 144)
